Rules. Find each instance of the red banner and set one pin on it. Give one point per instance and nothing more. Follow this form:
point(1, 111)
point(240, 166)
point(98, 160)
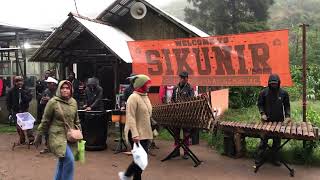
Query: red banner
point(230, 60)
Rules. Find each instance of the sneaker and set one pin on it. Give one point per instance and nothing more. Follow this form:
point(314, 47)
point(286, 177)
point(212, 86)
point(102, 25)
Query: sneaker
point(122, 176)
point(44, 151)
point(185, 156)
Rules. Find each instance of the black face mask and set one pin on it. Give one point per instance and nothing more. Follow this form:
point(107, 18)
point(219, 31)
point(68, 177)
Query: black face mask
point(274, 88)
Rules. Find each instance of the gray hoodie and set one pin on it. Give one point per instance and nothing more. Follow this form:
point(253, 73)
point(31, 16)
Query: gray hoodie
point(94, 95)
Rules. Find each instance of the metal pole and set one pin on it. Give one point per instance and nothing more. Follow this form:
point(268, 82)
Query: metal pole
point(24, 57)
point(116, 80)
point(17, 54)
point(304, 73)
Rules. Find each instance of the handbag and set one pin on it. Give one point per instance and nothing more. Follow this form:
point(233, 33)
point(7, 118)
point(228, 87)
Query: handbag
point(73, 134)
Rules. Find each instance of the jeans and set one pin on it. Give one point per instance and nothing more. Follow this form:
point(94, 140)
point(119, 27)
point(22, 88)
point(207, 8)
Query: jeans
point(65, 166)
point(133, 169)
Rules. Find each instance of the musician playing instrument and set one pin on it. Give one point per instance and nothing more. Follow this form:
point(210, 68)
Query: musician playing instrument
point(182, 91)
point(274, 106)
point(94, 94)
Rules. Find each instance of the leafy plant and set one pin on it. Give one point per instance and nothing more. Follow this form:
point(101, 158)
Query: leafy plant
point(243, 96)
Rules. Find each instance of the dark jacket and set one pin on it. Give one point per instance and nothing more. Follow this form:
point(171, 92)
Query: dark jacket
point(274, 103)
point(48, 93)
point(181, 92)
point(127, 92)
point(18, 99)
point(94, 96)
point(76, 91)
point(41, 86)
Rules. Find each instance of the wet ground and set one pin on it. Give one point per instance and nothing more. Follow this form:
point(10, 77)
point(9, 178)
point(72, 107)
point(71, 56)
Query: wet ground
point(28, 164)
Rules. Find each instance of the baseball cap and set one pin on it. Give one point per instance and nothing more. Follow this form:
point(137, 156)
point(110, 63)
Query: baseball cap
point(51, 80)
point(184, 74)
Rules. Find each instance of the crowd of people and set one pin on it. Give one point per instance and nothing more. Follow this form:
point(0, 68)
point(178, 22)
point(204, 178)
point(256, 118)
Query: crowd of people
point(58, 103)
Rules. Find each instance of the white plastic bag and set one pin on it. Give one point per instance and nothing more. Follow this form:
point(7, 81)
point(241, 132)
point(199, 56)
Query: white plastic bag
point(140, 157)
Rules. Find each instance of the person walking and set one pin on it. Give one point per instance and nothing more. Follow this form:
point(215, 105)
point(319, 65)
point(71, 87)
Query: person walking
point(18, 100)
point(59, 114)
point(138, 125)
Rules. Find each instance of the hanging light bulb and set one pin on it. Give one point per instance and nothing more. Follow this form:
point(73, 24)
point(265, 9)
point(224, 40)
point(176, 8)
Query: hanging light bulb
point(26, 45)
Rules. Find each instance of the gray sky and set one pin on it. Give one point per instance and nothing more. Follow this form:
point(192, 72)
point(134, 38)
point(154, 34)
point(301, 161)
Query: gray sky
point(44, 14)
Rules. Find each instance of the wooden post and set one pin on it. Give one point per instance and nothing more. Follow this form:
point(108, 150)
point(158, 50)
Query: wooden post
point(304, 75)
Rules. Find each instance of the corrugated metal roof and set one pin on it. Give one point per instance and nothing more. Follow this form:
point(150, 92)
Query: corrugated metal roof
point(8, 32)
point(52, 50)
point(112, 37)
point(121, 7)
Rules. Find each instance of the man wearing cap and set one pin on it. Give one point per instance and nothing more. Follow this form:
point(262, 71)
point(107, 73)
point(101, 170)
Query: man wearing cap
point(46, 95)
point(18, 99)
point(94, 94)
point(50, 91)
point(181, 92)
point(274, 106)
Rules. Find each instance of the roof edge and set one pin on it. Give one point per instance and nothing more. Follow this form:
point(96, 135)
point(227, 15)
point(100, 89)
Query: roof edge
point(163, 13)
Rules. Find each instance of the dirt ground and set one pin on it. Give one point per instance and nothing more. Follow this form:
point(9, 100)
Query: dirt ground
point(24, 164)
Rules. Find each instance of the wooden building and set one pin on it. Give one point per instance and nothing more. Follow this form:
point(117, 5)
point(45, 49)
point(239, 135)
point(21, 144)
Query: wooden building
point(98, 47)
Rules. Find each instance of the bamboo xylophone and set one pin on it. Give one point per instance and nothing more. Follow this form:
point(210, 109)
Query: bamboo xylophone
point(191, 113)
point(291, 130)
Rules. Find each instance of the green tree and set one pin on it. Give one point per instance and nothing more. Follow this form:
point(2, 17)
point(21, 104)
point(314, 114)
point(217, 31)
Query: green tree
point(228, 16)
point(313, 45)
point(290, 13)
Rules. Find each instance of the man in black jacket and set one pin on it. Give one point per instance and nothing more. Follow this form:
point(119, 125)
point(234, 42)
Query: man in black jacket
point(18, 99)
point(129, 90)
point(94, 94)
point(75, 84)
point(182, 92)
point(274, 106)
point(41, 85)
